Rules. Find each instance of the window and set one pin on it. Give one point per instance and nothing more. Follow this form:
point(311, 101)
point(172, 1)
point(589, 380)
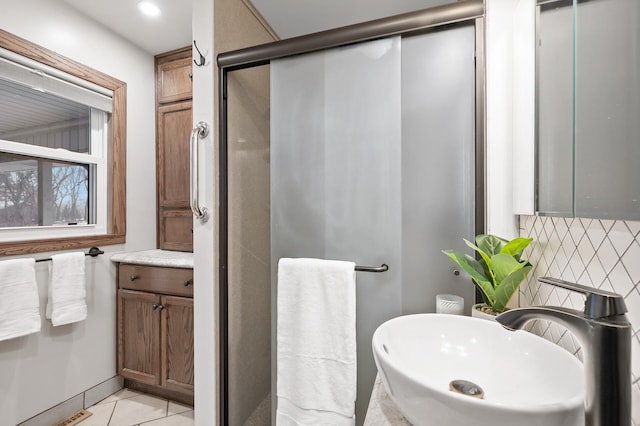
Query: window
point(39, 192)
point(62, 142)
point(52, 168)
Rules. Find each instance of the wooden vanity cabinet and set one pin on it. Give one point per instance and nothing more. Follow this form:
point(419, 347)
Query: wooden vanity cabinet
point(173, 130)
point(155, 330)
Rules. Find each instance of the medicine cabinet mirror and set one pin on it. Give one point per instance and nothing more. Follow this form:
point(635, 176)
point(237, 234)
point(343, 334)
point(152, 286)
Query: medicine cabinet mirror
point(588, 108)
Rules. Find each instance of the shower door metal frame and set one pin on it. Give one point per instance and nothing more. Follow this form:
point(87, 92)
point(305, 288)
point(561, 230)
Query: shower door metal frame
point(471, 12)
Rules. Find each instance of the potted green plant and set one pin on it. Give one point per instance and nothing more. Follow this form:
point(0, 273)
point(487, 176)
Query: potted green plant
point(499, 271)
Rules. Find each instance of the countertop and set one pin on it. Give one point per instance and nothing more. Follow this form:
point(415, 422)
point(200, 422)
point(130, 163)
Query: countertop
point(165, 258)
point(382, 410)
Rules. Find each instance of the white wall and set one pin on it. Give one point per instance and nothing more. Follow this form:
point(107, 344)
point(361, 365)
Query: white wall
point(44, 369)
point(523, 132)
point(510, 113)
point(205, 313)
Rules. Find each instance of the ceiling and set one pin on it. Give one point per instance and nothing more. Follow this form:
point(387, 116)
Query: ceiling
point(171, 30)
point(288, 18)
point(291, 18)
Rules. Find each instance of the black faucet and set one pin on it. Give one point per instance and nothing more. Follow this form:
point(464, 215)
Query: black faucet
point(604, 334)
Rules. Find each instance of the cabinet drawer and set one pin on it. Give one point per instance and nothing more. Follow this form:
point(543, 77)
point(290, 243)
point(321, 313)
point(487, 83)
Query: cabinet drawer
point(175, 281)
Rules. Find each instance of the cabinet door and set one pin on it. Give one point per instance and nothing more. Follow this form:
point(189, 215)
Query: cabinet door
point(174, 80)
point(139, 336)
point(176, 229)
point(174, 215)
point(177, 343)
point(174, 129)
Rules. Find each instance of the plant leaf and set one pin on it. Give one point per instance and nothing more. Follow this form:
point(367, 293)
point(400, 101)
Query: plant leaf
point(516, 246)
point(485, 262)
point(475, 270)
point(490, 244)
point(487, 290)
point(508, 287)
point(504, 265)
point(466, 262)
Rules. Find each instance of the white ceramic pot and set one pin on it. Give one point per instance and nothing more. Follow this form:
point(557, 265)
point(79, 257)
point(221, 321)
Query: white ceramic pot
point(476, 312)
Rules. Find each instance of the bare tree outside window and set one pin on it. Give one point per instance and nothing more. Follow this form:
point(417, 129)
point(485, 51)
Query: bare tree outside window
point(25, 183)
point(18, 203)
point(70, 186)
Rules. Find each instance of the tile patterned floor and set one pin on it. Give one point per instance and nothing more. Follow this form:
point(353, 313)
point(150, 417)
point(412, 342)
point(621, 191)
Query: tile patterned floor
point(131, 408)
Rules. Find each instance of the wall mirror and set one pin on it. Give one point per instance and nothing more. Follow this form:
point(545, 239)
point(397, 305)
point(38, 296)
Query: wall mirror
point(588, 108)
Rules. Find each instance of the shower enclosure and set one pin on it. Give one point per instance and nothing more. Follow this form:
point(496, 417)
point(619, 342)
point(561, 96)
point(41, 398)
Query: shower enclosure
point(363, 144)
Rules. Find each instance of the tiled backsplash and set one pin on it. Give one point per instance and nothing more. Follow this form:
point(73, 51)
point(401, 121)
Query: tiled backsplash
point(599, 253)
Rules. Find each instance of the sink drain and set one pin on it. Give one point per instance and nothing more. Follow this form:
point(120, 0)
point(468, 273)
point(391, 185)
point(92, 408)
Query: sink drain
point(466, 387)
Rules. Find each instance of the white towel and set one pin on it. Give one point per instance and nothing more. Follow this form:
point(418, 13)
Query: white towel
point(19, 303)
point(67, 290)
point(316, 354)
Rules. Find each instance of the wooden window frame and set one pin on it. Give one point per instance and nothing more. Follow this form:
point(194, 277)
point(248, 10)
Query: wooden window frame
point(116, 221)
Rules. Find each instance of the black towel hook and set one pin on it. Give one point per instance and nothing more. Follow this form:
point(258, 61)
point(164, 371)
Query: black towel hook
point(202, 58)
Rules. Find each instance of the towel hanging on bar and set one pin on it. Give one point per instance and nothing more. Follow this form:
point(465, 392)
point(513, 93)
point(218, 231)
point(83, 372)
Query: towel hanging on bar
point(93, 252)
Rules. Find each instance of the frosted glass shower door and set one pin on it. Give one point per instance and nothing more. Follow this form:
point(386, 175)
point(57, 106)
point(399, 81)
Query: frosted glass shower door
point(335, 175)
point(438, 164)
point(372, 161)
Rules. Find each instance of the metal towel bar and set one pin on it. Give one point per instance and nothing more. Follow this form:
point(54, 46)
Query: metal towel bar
point(93, 252)
point(382, 268)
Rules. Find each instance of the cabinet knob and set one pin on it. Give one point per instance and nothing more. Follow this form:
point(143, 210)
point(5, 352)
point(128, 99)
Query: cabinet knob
point(156, 306)
point(187, 283)
point(133, 277)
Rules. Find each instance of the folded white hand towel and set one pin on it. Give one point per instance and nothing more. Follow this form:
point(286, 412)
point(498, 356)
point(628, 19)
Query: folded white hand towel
point(67, 292)
point(316, 353)
point(19, 303)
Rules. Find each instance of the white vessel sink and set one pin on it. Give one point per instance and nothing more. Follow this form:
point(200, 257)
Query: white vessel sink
point(526, 379)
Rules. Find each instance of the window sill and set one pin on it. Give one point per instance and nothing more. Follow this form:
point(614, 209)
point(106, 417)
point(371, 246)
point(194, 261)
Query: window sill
point(15, 248)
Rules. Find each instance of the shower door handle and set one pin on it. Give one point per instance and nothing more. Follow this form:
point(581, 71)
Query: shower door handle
point(199, 132)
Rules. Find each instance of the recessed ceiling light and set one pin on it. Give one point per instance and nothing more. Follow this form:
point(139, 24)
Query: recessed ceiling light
point(149, 8)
